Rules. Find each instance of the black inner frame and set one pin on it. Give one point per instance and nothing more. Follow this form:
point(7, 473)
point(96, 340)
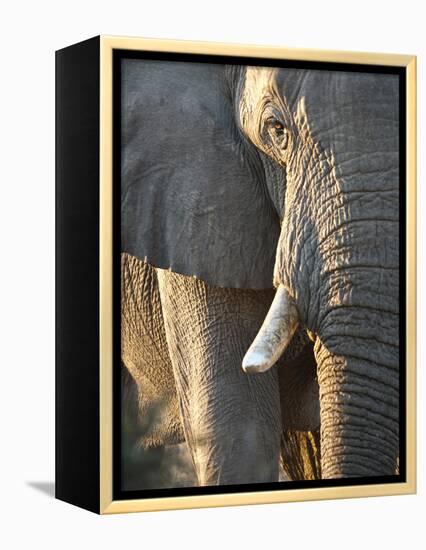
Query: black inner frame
point(118, 493)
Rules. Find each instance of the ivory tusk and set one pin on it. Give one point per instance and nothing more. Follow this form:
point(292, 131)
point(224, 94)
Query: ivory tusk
point(274, 335)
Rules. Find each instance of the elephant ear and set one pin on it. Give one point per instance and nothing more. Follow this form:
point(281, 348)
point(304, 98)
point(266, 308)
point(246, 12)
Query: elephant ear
point(193, 195)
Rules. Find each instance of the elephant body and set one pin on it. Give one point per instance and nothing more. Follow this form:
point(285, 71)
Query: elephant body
point(237, 181)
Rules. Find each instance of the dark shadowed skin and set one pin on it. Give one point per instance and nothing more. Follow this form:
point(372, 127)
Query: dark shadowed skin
point(335, 135)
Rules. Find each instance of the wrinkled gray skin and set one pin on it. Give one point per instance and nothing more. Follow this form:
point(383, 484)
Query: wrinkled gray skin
point(214, 160)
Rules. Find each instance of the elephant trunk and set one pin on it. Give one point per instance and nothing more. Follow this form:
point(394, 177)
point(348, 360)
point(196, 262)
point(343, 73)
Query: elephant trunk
point(357, 349)
point(359, 397)
point(274, 335)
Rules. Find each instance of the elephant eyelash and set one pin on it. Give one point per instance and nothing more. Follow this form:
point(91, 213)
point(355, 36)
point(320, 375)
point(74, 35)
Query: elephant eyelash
point(274, 123)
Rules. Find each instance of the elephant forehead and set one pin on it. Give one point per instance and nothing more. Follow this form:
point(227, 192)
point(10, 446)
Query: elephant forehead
point(257, 83)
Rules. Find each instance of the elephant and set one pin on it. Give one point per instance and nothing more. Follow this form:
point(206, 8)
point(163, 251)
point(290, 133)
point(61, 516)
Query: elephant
point(259, 269)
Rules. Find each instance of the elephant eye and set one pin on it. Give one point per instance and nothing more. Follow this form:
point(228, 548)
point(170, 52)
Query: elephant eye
point(278, 132)
point(274, 124)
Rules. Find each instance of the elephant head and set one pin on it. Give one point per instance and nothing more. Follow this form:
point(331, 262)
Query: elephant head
point(335, 137)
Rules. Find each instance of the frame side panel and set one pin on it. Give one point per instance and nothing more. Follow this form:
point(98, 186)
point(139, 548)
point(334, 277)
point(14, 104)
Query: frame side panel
point(77, 274)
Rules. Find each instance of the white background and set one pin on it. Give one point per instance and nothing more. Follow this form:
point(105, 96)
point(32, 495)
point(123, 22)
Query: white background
point(30, 32)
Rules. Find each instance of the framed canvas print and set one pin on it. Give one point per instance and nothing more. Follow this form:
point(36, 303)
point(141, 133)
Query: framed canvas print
point(235, 274)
